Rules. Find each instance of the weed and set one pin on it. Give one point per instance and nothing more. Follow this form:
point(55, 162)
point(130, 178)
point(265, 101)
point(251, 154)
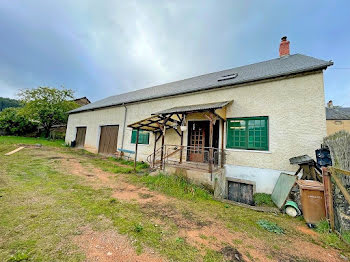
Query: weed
point(19, 256)
point(175, 186)
point(179, 240)
point(322, 227)
point(138, 228)
point(113, 201)
point(203, 236)
point(270, 226)
point(212, 256)
point(262, 199)
point(346, 237)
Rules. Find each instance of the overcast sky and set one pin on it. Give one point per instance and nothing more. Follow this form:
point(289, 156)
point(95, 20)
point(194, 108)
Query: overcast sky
point(100, 48)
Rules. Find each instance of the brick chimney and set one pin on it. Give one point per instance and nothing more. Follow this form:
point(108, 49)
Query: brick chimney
point(330, 104)
point(284, 47)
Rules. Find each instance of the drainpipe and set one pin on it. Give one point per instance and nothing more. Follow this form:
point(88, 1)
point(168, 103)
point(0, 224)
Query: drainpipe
point(124, 125)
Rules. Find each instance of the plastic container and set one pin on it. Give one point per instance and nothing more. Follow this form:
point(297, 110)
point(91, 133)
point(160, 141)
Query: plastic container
point(312, 200)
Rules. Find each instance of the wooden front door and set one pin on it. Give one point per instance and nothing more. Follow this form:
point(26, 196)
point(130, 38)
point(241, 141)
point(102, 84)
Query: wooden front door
point(108, 140)
point(197, 141)
point(240, 192)
point(80, 137)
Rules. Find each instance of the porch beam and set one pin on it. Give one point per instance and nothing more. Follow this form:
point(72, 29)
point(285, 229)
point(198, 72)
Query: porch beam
point(177, 131)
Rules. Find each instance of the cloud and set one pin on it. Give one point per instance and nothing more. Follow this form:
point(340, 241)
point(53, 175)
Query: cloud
point(110, 47)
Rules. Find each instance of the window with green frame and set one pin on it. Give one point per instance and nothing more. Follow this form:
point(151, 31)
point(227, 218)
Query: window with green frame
point(248, 133)
point(143, 137)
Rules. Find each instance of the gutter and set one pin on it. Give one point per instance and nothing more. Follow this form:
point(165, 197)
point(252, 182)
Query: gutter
point(124, 125)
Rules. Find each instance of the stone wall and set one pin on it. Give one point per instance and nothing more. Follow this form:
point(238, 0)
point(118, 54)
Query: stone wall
point(339, 145)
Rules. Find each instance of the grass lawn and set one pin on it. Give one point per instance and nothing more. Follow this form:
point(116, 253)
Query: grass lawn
point(10, 140)
point(55, 201)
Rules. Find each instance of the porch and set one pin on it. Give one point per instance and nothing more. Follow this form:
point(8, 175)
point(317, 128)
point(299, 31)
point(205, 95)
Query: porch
point(201, 127)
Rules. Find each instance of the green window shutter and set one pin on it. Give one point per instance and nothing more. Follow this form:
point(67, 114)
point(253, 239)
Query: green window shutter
point(247, 133)
point(143, 137)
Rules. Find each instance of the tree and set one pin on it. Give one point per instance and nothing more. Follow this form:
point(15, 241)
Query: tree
point(14, 122)
point(49, 106)
point(8, 102)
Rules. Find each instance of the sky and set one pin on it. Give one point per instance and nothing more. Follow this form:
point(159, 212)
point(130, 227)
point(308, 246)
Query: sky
point(108, 47)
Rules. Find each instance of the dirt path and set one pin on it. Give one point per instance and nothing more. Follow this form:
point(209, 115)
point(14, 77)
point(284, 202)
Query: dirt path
point(203, 232)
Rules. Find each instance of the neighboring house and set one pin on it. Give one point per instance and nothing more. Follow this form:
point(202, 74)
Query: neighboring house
point(82, 101)
point(59, 131)
point(338, 118)
point(244, 122)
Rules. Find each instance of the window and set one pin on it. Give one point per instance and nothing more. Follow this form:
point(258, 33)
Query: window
point(143, 137)
point(247, 133)
point(228, 77)
point(338, 122)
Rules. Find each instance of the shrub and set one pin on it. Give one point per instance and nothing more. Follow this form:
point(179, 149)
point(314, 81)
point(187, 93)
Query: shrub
point(14, 122)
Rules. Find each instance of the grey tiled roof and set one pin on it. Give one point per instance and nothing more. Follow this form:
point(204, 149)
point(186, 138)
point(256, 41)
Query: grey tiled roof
point(264, 70)
point(183, 109)
point(338, 113)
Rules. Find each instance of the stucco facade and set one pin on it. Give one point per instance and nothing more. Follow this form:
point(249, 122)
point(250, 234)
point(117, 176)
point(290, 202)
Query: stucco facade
point(294, 106)
point(334, 126)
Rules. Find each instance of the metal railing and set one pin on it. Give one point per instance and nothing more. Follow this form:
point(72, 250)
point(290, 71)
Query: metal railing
point(192, 157)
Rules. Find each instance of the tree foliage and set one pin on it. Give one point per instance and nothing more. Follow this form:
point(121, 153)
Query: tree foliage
point(49, 106)
point(8, 102)
point(14, 122)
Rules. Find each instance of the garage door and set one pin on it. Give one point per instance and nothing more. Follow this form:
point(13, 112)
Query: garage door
point(108, 140)
point(240, 192)
point(80, 138)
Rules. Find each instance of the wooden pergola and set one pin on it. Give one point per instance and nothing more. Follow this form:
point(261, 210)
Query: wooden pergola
point(174, 118)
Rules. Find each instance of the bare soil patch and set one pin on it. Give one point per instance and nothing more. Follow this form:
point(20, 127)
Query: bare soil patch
point(108, 246)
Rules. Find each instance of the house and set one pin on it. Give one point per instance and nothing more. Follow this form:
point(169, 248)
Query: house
point(82, 101)
point(58, 131)
point(338, 118)
point(243, 123)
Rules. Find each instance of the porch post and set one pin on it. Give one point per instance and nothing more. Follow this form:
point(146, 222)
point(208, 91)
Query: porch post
point(182, 142)
point(162, 149)
point(210, 146)
point(222, 142)
point(182, 137)
point(136, 146)
point(154, 150)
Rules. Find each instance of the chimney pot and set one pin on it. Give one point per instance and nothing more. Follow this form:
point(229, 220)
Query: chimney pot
point(330, 104)
point(284, 47)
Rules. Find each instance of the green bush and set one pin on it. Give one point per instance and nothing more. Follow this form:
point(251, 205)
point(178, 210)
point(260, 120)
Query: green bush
point(14, 122)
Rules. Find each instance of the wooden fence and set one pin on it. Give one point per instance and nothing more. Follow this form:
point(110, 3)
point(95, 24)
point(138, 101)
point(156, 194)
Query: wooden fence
point(329, 174)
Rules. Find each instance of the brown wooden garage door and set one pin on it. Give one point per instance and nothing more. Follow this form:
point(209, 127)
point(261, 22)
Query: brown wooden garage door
point(108, 140)
point(80, 138)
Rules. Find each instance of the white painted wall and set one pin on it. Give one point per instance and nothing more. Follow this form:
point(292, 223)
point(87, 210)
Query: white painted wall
point(295, 107)
point(264, 178)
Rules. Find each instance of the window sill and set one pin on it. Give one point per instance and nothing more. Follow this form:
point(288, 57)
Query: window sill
point(248, 151)
point(139, 144)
